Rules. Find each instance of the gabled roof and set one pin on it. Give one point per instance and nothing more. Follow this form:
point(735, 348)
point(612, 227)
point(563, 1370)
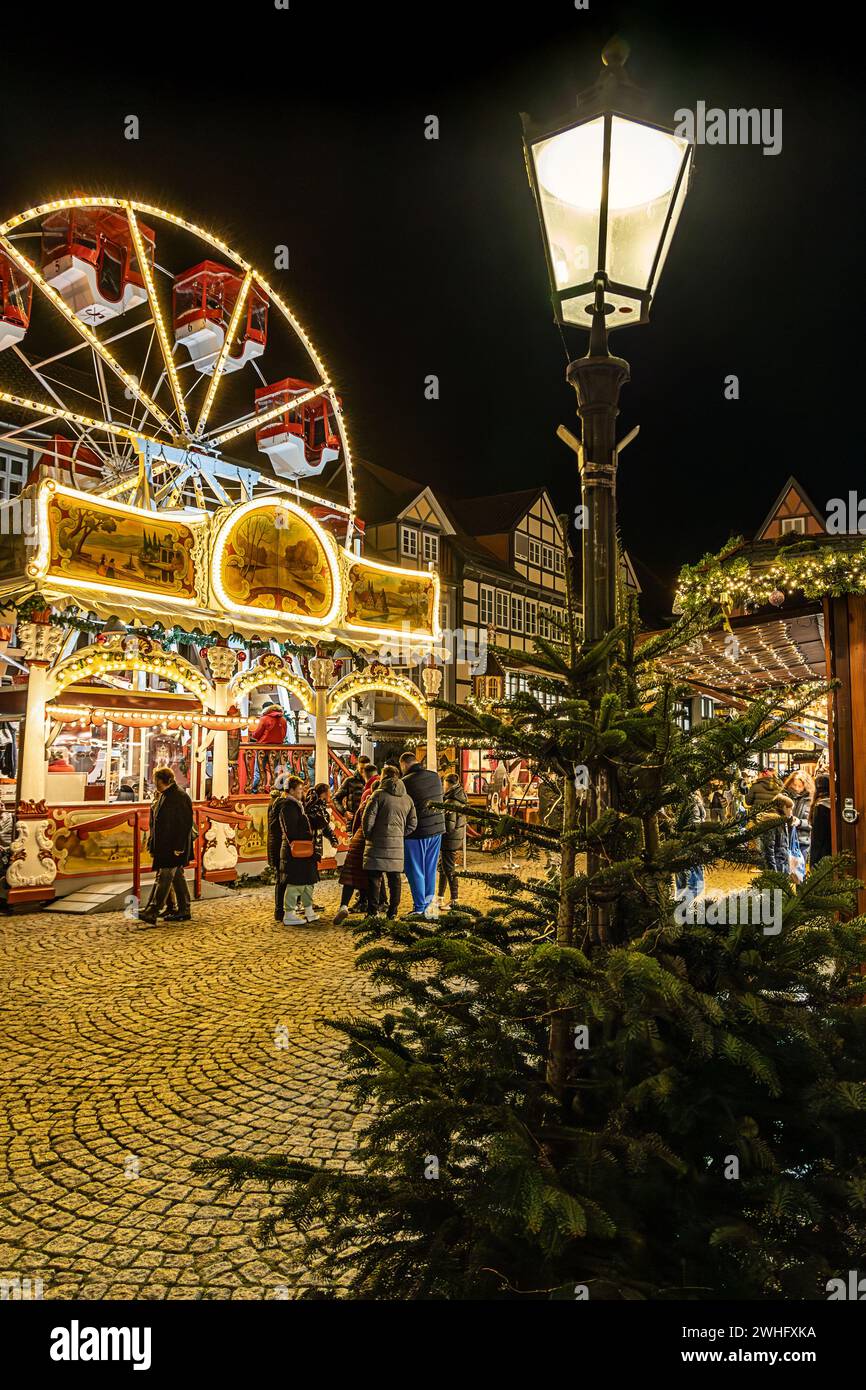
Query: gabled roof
point(494, 515)
point(792, 485)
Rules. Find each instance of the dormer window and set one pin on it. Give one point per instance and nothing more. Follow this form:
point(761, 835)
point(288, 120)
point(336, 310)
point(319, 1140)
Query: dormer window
point(796, 524)
point(431, 548)
point(409, 542)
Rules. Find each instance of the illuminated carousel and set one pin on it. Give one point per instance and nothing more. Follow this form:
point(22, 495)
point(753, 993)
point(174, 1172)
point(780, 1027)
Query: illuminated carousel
point(186, 538)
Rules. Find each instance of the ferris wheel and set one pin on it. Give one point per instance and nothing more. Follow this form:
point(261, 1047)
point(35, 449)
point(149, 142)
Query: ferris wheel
point(143, 359)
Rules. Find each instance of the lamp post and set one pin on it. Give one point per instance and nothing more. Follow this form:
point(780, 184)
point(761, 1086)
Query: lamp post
point(609, 187)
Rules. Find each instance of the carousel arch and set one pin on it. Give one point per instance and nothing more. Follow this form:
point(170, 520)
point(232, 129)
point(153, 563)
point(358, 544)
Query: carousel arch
point(93, 661)
point(273, 671)
point(375, 682)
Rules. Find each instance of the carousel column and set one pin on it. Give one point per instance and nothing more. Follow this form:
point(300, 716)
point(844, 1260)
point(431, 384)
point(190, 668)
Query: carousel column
point(32, 867)
point(321, 671)
point(431, 675)
point(220, 847)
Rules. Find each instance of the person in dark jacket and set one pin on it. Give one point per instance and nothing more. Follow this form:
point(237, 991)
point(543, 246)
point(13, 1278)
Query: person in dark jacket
point(387, 818)
point(422, 846)
point(275, 844)
point(348, 798)
point(170, 845)
point(352, 873)
point(300, 871)
point(821, 842)
point(452, 840)
point(315, 803)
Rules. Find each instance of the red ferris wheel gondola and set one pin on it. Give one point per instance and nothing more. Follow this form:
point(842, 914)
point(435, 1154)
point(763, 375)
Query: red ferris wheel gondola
point(16, 294)
point(89, 258)
point(203, 300)
point(302, 440)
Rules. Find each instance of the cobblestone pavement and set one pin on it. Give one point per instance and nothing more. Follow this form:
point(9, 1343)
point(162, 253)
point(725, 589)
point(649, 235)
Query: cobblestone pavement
point(128, 1053)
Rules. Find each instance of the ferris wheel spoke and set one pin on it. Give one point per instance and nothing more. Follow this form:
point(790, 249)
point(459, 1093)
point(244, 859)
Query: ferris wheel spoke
point(74, 417)
point(254, 421)
point(158, 320)
point(86, 333)
point(83, 432)
point(219, 365)
point(81, 347)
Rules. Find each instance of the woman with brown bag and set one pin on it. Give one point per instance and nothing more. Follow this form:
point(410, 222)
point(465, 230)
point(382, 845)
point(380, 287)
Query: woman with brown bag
point(298, 867)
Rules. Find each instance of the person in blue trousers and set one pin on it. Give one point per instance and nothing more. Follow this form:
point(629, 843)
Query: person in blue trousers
point(422, 845)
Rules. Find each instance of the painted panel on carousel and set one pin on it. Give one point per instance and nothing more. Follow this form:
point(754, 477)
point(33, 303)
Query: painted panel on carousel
point(82, 848)
point(109, 546)
point(271, 556)
point(380, 598)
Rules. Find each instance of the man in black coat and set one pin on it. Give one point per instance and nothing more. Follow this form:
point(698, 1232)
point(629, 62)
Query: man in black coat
point(170, 845)
point(422, 845)
point(455, 830)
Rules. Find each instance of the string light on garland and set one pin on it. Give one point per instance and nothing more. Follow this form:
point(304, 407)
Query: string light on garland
point(741, 577)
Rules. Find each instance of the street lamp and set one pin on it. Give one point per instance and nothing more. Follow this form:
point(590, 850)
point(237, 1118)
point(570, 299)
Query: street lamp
point(609, 187)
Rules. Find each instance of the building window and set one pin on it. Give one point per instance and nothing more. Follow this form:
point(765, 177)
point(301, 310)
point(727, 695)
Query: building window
point(707, 707)
point(535, 552)
point(559, 562)
point(544, 622)
point(501, 608)
point(547, 557)
point(13, 472)
point(516, 613)
point(409, 541)
point(531, 617)
point(431, 548)
point(485, 606)
point(521, 545)
point(793, 523)
point(488, 687)
point(683, 715)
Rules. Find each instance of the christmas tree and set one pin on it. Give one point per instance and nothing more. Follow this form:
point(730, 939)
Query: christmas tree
point(600, 1088)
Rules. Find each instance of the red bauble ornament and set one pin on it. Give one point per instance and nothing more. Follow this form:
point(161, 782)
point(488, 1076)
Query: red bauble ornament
point(242, 656)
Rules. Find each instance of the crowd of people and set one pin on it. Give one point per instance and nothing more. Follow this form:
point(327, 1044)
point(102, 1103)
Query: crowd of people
point(791, 845)
point(396, 826)
point(401, 821)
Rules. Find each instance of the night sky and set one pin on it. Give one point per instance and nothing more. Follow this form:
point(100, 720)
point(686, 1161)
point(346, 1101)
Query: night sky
point(411, 257)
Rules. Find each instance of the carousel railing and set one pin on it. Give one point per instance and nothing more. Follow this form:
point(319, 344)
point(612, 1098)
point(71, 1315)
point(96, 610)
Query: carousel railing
point(276, 760)
point(259, 764)
point(138, 817)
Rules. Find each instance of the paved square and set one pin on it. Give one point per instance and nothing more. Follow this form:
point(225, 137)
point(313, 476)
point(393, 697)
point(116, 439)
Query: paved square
point(128, 1053)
